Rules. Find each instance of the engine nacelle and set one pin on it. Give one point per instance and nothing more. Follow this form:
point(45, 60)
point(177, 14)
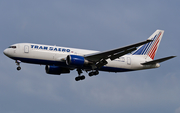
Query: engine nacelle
point(76, 60)
point(56, 70)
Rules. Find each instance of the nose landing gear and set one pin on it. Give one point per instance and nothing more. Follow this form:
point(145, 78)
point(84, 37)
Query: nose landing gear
point(18, 68)
point(18, 64)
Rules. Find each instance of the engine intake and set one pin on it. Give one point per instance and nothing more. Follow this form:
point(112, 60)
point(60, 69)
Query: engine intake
point(56, 70)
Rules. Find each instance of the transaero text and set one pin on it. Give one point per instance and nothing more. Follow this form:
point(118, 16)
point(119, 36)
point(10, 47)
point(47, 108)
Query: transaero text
point(50, 48)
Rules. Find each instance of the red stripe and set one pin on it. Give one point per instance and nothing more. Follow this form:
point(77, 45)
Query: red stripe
point(152, 52)
point(154, 49)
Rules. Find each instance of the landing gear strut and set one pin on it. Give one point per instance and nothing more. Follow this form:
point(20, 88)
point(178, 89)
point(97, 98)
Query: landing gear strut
point(80, 77)
point(18, 64)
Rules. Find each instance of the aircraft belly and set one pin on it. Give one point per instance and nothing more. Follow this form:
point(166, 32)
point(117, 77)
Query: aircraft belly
point(116, 66)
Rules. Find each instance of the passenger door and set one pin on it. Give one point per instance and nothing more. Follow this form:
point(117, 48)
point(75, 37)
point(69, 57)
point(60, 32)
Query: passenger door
point(26, 49)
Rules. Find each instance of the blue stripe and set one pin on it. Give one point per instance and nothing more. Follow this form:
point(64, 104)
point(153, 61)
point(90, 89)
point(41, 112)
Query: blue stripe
point(112, 69)
point(139, 51)
point(63, 64)
point(147, 48)
point(152, 43)
point(39, 61)
point(144, 50)
point(149, 45)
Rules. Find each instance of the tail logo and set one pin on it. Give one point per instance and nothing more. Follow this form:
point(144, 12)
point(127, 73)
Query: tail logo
point(150, 48)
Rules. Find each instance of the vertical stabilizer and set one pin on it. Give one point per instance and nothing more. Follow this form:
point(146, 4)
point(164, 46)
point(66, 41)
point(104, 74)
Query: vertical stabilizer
point(150, 49)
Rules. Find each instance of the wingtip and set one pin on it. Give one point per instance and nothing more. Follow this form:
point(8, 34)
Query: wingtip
point(173, 56)
point(149, 40)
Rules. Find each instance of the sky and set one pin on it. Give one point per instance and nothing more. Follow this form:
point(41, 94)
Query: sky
point(95, 25)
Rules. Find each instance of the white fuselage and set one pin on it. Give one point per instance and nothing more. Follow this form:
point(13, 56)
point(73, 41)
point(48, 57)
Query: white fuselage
point(55, 55)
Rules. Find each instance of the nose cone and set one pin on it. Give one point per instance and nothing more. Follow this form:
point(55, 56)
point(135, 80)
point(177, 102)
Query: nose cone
point(5, 52)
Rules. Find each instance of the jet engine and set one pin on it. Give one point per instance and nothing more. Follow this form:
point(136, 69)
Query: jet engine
point(76, 60)
point(56, 70)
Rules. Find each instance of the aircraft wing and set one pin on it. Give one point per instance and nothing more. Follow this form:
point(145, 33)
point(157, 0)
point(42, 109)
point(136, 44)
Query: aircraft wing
point(158, 60)
point(100, 58)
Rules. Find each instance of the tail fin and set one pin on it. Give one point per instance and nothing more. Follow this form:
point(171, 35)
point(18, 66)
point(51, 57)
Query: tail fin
point(150, 49)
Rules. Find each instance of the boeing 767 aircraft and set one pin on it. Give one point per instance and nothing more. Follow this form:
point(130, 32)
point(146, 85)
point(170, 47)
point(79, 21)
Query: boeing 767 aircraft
point(61, 60)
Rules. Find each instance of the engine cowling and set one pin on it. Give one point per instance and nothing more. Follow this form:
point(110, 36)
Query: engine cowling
point(56, 70)
point(76, 60)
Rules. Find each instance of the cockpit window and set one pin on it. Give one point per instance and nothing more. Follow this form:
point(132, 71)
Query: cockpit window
point(12, 47)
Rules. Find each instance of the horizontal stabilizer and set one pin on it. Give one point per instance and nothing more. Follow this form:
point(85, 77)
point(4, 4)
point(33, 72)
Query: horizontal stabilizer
point(158, 60)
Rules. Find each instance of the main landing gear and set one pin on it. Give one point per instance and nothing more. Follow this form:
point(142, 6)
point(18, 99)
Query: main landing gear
point(18, 64)
point(82, 77)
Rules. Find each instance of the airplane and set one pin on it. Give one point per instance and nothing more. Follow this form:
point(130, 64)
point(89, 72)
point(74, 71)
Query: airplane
point(61, 60)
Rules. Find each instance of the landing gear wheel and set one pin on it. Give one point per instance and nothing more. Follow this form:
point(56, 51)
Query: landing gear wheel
point(82, 77)
point(18, 68)
point(96, 72)
point(77, 78)
point(93, 73)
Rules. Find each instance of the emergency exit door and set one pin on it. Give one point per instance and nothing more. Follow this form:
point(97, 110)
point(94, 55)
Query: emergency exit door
point(128, 60)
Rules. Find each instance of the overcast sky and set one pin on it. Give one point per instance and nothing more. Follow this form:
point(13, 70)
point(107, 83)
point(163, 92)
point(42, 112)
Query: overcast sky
point(95, 25)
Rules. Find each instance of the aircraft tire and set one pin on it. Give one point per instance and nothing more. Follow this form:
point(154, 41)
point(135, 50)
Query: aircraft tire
point(77, 78)
point(91, 74)
point(82, 77)
point(18, 68)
